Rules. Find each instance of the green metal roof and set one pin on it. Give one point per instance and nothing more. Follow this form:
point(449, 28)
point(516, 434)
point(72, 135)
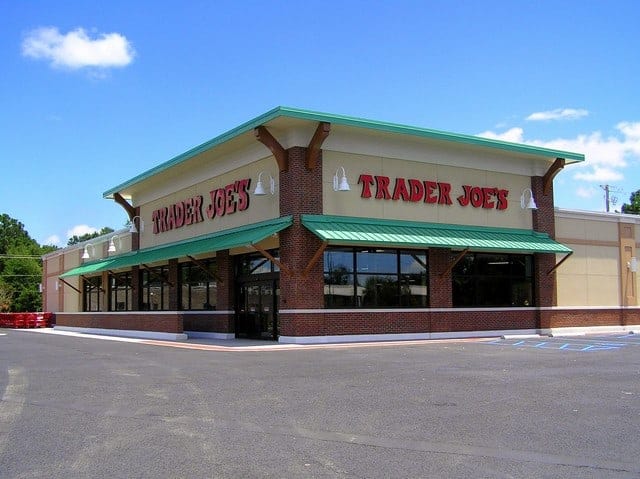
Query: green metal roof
point(353, 122)
point(244, 235)
point(87, 268)
point(344, 230)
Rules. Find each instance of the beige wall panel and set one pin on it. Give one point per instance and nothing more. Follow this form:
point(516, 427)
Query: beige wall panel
point(72, 299)
point(51, 293)
point(572, 289)
point(601, 231)
point(53, 265)
point(260, 207)
point(350, 203)
point(602, 260)
point(603, 290)
point(570, 228)
point(72, 259)
point(577, 262)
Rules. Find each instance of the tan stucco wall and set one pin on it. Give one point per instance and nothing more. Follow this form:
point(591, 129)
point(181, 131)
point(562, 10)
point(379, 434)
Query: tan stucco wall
point(350, 203)
point(597, 273)
point(260, 207)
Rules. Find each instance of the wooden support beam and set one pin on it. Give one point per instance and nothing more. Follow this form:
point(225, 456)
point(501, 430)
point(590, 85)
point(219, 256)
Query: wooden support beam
point(554, 169)
point(270, 257)
point(99, 287)
point(70, 285)
point(455, 261)
point(315, 258)
point(157, 276)
point(559, 263)
point(131, 211)
point(205, 269)
point(267, 139)
point(313, 150)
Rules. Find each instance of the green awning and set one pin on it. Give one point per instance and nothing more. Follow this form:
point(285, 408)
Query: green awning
point(87, 268)
point(228, 239)
point(344, 230)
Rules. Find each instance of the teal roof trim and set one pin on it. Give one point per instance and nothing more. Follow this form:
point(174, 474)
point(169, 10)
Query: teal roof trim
point(344, 230)
point(354, 122)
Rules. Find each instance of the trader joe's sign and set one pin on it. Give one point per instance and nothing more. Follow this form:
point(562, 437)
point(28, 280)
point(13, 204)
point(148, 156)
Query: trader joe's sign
point(221, 202)
point(434, 192)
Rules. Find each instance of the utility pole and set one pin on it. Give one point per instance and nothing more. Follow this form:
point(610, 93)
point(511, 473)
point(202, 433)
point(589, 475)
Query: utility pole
point(608, 199)
point(606, 196)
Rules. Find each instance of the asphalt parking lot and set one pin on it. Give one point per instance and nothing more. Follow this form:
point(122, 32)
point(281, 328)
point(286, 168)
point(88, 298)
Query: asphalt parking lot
point(519, 407)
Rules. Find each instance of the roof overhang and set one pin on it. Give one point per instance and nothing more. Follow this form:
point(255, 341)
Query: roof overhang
point(295, 127)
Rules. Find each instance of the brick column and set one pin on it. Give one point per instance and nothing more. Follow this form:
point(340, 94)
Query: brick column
point(300, 193)
point(225, 290)
point(174, 285)
point(544, 222)
point(440, 280)
point(136, 288)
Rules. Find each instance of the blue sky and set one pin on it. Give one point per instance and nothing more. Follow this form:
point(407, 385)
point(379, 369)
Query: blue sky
point(94, 93)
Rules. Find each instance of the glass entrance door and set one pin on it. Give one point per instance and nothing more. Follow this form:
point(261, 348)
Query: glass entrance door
point(256, 313)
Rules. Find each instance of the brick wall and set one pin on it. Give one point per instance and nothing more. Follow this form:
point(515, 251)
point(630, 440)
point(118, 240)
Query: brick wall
point(300, 193)
point(169, 322)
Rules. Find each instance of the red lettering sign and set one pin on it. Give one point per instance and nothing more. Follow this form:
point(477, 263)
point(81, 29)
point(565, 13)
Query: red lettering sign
point(431, 192)
point(230, 199)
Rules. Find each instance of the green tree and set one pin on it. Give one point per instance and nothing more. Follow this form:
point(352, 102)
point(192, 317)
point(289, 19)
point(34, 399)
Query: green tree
point(633, 208)
point(75, 239)
point(20, 267)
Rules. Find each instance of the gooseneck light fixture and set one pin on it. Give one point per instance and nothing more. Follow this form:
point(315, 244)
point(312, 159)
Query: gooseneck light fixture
point(132, 225)
point(85, 253)
point(529, 204)
point(259, 190)
point(112, 245)
point(341, 184)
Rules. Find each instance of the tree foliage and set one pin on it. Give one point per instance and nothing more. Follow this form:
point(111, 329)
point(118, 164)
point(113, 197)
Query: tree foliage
point(75, 239)
point(633, 207)
point(20, 267)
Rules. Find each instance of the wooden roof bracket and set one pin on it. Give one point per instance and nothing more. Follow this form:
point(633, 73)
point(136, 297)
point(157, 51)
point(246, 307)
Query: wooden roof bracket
point(270, 257)
point(99, 287)
point(204, 268)
point(313, 150)
point(315, 258)
point(267, 139)
point(559, 263)
point(157, 276)
point(455, 262)
point(554, 169)
point(131, 211)
point(70, 285)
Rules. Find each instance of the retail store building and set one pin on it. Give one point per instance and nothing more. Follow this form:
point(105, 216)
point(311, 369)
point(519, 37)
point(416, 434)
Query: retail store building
point(304, 227)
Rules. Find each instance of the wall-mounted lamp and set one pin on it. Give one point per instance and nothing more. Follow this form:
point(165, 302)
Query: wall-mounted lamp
point(531, 203)
point(259, 190)
point(112, 245)
point(342, 184)
point(85, 254)
point(633, 265)
point(132, 225)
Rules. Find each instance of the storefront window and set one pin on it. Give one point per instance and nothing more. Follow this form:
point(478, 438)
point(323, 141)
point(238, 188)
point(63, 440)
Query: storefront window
point(121, 298)
point(155, 289)
point(198, 285)
point(91, 294)
point(491, 279)
point(256, 263)
point(374, 278)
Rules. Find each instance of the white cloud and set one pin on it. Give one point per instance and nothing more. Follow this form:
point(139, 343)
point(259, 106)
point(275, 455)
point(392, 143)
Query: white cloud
point(76, 49)
point(53, 240)
point(514, 135)
point(605, 157)
point(586, 193)
point(558, 114)
point(80, 230)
